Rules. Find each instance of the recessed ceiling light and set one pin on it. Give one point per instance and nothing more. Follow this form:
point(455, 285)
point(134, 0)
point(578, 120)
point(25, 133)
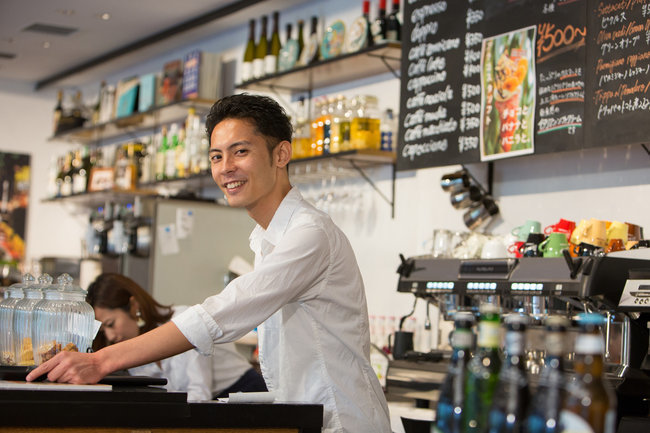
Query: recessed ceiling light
point(46, 44)
point(105, 16)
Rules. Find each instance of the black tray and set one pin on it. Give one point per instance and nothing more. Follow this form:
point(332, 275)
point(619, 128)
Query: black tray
point(10, 372)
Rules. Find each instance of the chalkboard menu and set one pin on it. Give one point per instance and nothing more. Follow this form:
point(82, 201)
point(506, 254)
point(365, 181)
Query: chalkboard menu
point(618, 86)
point(488, 79)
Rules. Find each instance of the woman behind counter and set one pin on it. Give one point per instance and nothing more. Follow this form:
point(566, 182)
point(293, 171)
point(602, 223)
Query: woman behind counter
point(126, 310)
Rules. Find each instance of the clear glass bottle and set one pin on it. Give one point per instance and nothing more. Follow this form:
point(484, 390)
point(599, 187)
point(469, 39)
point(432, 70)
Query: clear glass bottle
point(23, 318)
point(364, 125)
point(512, 393)
point(482, 371)
point(13, 295)
point(544, 409)
point(590, 404)
point(451, 400)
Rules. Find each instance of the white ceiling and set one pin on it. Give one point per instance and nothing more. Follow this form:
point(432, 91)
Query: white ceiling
point(130, 21)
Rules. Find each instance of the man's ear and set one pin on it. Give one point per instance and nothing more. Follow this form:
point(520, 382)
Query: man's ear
point(282, 153)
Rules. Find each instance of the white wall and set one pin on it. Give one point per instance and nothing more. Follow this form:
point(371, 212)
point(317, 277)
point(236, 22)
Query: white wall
point(610, 184)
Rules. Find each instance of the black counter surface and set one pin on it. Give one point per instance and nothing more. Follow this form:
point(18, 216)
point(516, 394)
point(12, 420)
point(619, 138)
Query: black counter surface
point(148, 407)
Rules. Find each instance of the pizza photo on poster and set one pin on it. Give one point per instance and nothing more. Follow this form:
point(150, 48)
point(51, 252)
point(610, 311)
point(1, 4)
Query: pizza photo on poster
point(508, 92)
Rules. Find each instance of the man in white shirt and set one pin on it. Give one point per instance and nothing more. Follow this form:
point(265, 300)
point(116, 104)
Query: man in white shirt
point(306, 290)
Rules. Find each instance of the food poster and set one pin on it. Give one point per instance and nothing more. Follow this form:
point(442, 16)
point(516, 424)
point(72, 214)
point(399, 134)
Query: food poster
point(508, 95)
point(14, 198)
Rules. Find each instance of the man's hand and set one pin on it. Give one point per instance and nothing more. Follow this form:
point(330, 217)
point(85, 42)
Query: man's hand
point(70, 367)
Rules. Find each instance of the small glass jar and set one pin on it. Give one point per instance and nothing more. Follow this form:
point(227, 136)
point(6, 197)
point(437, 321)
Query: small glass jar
point(23, 319)
point(13, 295)
point(364, 123)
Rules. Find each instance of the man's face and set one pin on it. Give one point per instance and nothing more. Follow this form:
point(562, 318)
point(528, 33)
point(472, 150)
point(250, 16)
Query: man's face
point(241, 164)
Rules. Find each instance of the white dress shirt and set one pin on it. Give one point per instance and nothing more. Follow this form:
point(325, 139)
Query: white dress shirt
point(199, 375)
point(314, 341)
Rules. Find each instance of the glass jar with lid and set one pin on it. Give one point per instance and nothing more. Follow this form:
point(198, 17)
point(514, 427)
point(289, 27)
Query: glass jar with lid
point(62, 321)
point(13, 295)
point(22, 322)
point(364, 123)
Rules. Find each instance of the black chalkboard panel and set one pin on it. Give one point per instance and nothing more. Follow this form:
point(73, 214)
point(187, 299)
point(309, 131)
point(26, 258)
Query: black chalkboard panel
point(442, 119)
point(618, 79)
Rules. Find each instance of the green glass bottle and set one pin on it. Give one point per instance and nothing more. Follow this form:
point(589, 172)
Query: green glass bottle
point(249, 53)
point(512, 394)
point(273, 49)
point(482, 371)
point(449, 411)
point(260, 51)
point(301, 40)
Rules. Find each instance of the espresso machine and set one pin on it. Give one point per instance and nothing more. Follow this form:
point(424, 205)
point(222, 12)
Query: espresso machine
point(616, 286)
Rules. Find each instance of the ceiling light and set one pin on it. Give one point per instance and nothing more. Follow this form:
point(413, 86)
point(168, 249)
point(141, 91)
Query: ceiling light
point(46, 44)
point(105, 16)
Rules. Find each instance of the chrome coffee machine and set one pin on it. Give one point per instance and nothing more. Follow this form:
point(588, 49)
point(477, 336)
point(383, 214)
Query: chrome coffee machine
point(617, 287)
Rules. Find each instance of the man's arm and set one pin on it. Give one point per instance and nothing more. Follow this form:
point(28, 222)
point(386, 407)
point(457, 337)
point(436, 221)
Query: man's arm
point(162, 342)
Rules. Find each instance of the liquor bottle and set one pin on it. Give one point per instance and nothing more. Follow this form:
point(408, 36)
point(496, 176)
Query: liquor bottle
point(326, 119)
point(79, 174)
point(66, 186)
point(301, 40)
point(161, 154)
point(289, 31)
point(260, 51)
point(193, 140)
point(366, 16)
point(379, 25)
point(78, 109)
point(340, 127)
point(482, 372)
point(181, 158)
point(98, 106)
point(512, 394)
point(451, 400)
point(311, 53)
point(365, 123)
point(302, 138)
point(590, 404)
point(58, 112)
point(393, 25)
point(544, 409)
point(273, 51)
point(147, 162)
point(170, 155)
point(249, 53)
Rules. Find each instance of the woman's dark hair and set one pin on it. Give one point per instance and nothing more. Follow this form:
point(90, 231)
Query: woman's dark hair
point(268, 117)
point(114, 291)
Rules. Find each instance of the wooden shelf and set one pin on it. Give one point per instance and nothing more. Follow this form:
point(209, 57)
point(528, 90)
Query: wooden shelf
point(130, 124)
point(344, 68)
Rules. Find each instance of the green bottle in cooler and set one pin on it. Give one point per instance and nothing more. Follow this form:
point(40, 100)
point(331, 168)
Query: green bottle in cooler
point(482, 371)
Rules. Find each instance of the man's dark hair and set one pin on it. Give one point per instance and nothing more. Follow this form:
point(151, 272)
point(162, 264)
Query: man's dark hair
point(268, 117)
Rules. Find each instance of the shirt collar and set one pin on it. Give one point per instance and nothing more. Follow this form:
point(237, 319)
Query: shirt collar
point(279, 222)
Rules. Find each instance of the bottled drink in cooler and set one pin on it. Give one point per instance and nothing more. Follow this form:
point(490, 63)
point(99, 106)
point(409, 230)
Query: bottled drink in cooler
point(544, 409)
point(590, 404)
point(482, 371)
point(512, 393)
point(451, 400)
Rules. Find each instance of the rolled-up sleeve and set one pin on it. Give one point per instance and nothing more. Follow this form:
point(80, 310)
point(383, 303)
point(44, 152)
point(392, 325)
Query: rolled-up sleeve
point(199, 328)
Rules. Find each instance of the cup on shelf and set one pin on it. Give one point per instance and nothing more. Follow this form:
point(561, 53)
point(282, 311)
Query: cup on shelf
point(562, 226)
point(530, 226)
point(554, 244)
point(494, 248)
point(617, 230)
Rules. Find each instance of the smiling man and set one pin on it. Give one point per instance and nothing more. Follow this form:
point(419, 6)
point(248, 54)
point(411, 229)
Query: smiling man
point(306, 293)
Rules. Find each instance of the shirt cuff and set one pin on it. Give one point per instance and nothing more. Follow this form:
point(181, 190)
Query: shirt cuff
point(199, 328)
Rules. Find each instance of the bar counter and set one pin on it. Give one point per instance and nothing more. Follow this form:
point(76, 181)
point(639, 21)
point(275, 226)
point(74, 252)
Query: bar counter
point(147, 409)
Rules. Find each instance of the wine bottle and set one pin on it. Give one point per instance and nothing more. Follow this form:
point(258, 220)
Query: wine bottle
point(482, 372)
point(58, 112)
point(273, 51)
point(393, 25)
point(366, 16)
point(590, 404)
point(311, 52)
point(544, 409)
point(260, 51)
point(378, 27)
point(78, 174)
point(451, 400)
point(301, 40)
point(249, 53)
point(512, 393)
